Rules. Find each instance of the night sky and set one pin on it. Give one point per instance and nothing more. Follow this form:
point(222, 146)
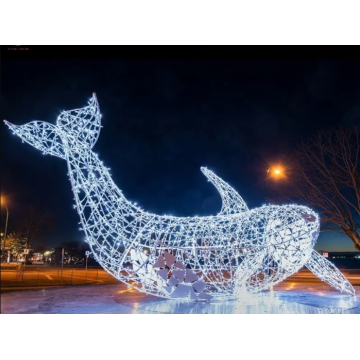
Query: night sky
point(162, 120)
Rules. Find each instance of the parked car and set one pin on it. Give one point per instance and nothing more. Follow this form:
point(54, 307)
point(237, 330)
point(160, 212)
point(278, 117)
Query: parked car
point(79, 262)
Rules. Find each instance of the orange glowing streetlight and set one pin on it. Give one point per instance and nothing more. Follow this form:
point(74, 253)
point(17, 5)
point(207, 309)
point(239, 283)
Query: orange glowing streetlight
point(275, 171)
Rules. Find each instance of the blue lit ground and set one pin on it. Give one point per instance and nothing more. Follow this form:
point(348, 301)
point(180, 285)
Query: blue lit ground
point(289, 297)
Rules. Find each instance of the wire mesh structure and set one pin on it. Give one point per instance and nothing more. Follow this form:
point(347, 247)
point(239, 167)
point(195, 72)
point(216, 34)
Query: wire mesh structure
point(193, 258)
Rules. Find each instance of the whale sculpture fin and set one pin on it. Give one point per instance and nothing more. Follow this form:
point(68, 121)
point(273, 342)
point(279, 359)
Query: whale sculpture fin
point(232, 202)
point(42, 135)
point(329, 273)
point(247, 268)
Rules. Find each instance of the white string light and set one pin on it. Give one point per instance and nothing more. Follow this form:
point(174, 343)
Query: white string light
point(179, 257)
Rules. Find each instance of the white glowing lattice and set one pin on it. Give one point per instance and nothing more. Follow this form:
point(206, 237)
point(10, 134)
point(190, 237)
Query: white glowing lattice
point(179, 257)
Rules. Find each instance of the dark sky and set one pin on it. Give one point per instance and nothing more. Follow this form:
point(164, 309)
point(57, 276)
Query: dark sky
point(162, 120)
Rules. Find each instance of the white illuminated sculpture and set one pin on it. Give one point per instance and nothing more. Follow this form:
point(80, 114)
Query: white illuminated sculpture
point(179, 257)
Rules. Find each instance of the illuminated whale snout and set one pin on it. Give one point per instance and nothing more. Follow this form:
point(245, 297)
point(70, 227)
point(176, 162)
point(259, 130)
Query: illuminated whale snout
point(291, 234)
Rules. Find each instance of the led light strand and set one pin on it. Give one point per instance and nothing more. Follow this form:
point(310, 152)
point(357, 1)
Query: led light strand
point(179, 257)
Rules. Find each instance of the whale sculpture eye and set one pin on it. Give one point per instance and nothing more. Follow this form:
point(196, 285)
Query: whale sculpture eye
point(309, 217)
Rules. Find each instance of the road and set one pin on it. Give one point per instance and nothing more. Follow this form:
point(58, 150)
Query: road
point(34, 276)
point(46, 276)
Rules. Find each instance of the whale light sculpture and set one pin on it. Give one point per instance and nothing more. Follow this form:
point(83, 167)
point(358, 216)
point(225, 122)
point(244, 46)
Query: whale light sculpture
point(179, 257)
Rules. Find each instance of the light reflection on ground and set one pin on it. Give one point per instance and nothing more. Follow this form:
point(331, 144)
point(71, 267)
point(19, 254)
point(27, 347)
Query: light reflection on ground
point(270, 302)
point(290, 298)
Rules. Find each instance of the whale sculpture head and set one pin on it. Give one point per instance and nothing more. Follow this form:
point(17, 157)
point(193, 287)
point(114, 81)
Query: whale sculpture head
point(75, 130)
point(291, 233)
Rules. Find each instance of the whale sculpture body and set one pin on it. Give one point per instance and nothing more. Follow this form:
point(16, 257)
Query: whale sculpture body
point(179, 257)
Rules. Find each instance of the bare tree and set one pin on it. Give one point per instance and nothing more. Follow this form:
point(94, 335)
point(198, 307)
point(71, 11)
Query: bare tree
point(324, 173)
point(33, 225)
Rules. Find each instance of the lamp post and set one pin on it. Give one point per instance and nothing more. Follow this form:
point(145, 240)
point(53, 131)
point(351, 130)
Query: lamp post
point(6, 223)
point(275, 172)
point(266, 181)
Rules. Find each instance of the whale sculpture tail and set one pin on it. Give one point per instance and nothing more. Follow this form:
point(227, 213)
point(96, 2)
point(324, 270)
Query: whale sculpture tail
point(76, 129)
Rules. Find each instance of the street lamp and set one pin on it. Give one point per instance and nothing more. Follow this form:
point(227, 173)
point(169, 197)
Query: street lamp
point(275, 172)
point(7, 217)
